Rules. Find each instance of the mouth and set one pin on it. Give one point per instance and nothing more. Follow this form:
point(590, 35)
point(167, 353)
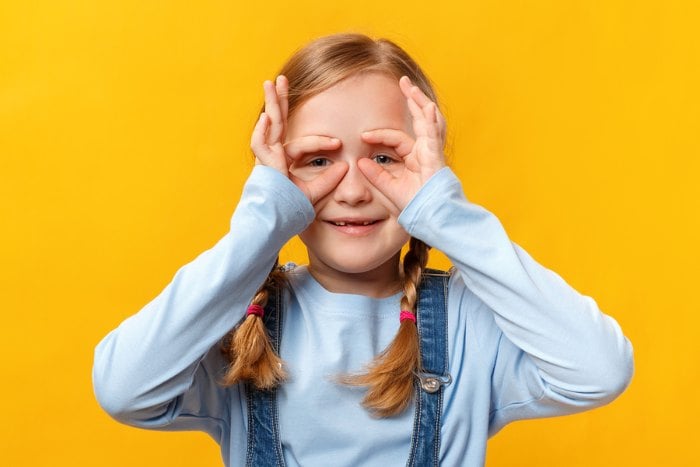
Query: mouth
point(354, 227)
point(344, 223)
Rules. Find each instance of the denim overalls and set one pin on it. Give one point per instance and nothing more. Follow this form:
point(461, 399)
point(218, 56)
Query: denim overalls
point(264, 446)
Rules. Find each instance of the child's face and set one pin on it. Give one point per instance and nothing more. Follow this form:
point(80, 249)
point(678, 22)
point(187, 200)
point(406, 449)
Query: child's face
point(356, 228)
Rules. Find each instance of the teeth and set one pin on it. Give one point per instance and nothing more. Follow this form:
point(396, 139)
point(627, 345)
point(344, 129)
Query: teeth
point(343, 223)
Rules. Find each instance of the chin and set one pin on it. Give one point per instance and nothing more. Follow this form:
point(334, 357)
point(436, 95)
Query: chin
point(360, 264)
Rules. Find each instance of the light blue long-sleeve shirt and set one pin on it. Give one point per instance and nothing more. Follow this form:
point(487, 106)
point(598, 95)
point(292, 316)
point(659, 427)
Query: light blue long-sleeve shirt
point(522, 342)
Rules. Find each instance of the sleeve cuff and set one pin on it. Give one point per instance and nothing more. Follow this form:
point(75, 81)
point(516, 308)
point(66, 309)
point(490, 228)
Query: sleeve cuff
point(269, 186)
point(442, 185)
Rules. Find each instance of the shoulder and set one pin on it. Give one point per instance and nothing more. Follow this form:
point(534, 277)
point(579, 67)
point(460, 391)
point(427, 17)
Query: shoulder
point(462, 303)
point(468, 315)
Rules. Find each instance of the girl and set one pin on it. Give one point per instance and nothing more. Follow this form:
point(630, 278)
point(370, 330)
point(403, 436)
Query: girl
point(359, 358)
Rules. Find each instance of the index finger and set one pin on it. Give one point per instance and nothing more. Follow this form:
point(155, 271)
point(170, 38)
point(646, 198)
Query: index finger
point(397, 139)
point(310, 144)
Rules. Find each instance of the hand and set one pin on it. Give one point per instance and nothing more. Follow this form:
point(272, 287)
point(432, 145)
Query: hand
point(422, 156)
point(267, 143)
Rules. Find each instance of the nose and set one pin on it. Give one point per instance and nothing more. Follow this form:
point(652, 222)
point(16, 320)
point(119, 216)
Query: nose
point(354, 188)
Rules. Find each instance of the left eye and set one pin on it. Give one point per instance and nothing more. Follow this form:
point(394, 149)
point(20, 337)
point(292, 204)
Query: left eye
point(319, 162)
point(382, 159)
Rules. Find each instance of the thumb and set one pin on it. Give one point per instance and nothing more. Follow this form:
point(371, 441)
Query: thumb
point(324, 183)
point(376, 175)
point(393, 188)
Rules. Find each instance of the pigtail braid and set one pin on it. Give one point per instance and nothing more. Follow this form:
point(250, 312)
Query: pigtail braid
point(390, 377)
point(249, 349)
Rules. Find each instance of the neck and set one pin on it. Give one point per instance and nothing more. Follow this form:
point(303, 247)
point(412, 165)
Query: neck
point(383, 281)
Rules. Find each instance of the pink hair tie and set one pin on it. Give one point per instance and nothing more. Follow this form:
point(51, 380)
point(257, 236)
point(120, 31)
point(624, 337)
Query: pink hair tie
point(405, 314)
point(256, 310)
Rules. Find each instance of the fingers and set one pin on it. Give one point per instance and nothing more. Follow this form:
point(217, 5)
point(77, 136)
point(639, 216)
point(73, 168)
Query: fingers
point(413, 92)
point(375, 173)
point(269, 132)
point(257, 139)
point(424, 111)
point(273, 110)
point(310, 144)
point(282, 87)
point(263, 153)
point(431, 120)
point(395, 189)
point(323, 184)
point(396, 139)
point(442, 127)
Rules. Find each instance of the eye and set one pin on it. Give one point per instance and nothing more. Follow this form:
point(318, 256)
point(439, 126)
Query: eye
point(383, 159)
point(319, 162)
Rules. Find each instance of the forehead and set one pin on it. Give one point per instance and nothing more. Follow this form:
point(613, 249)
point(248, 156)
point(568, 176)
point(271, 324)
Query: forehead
point(359, 103)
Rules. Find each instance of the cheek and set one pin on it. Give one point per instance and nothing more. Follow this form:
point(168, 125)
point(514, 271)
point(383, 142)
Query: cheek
point(403, 237)
point(395, 234)
point(309, 233)
point(388, 205)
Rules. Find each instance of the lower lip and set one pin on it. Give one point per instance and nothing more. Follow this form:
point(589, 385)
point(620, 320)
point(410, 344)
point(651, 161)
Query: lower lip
point(355, 230)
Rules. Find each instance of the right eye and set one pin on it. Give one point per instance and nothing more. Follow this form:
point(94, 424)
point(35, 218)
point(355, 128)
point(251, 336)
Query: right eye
point(382, 159)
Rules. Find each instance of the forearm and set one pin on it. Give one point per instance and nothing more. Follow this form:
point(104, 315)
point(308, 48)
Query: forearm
point(150, 359)
point(579, 351)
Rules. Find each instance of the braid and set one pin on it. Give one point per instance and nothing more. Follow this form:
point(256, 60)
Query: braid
point(413, 265)
point(248, 346)
point(390, 377)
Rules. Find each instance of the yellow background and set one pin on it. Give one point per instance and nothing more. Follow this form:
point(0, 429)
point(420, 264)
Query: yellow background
point(124, 131)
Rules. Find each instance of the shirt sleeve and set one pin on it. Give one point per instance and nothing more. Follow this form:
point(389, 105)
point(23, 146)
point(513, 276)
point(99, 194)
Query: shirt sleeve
point(164, 361)
point(557, 352)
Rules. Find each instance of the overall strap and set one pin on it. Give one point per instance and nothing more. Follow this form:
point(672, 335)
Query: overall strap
point(432, 330)
point(264, 446)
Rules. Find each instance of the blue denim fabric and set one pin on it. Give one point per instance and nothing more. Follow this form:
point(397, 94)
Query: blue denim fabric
point(264, 446)
point(432, 329)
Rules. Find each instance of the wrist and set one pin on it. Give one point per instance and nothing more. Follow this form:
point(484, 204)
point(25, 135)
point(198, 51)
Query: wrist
point(433, 191)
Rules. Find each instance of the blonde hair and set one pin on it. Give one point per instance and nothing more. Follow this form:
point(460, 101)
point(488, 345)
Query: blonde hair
point(390, 378)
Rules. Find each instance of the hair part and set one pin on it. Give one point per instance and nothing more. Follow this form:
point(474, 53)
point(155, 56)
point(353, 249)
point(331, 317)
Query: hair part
point(329, 60)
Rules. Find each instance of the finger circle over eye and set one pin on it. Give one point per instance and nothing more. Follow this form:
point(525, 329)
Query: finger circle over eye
point(308, 144)
point(397, 139)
